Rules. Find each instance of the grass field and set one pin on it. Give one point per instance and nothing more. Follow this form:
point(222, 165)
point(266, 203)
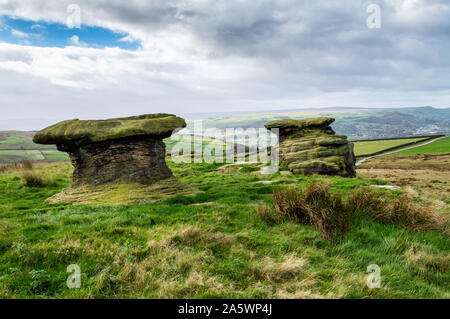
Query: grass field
point(20, 155)
point(18, 147)
point(425, 176)
point(215, 244)
point(14, 142)
point(370, 147)
point(55, 156)
point(441, 146)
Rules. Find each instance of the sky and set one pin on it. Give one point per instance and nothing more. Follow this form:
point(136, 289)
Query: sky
point(93, 59)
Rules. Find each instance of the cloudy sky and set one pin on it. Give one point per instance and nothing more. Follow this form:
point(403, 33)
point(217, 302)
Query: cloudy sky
point(187, 56)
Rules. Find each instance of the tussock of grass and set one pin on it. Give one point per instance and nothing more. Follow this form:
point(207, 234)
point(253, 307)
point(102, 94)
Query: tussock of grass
point(317, 206)
point(33, 180)
point(27, 164)
point(287, 269)
point(400, 210)
point(7, 167)
point(265, 212)
point(332, 215)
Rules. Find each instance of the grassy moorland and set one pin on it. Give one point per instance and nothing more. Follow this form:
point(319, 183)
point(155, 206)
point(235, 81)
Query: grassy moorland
point(230, 240)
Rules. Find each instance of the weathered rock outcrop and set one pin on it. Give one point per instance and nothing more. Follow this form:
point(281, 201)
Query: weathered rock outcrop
point(311, 147)
point(115, 150)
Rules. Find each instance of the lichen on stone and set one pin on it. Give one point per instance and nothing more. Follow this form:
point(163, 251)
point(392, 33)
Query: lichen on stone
point(310, 146)
point(89, 131)
point(300, 124)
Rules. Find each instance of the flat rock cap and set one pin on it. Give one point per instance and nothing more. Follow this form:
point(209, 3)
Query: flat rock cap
point(160, 124)
point(300, 124)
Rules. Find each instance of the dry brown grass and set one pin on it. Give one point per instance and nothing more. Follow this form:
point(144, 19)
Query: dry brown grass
point(433, 162)
point(317, 206)
point(27, 164)
point(191, 236)
point(428, 262)
point(4, 168)
point(400, 210)
point(405, 212)
point(265, 212)
point(332, 215)
point(287, 269)
point(425, 177)
point(32, 179)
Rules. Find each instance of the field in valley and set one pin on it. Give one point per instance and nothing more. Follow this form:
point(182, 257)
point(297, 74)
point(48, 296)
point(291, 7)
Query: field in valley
point(423, 171)
point(439, 147)
point(18, 146)
point(367, 148)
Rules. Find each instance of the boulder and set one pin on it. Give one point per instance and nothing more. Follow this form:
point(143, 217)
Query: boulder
point(311, 146)
point(119, 150)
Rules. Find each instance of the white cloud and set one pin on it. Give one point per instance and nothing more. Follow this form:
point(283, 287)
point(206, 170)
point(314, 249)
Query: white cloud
point(19, 34)
point(75, 41)
point(127, 38)
point(234, 55)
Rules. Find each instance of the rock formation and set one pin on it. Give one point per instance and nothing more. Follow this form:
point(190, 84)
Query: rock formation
point(115, 150)
point(311, 147)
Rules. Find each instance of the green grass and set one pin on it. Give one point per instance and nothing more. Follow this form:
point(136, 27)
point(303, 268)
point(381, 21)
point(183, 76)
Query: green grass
point(55, 156)
point(171, 142)
point(441, 146)
point(371, 147)
point(210, 245)
point(14, 148)
point(20, 155)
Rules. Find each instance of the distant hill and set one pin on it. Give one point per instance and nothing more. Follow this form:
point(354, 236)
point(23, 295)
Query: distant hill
point(356, 123)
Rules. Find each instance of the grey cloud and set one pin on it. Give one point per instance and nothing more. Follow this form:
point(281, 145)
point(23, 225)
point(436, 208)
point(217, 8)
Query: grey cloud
point(286, 52)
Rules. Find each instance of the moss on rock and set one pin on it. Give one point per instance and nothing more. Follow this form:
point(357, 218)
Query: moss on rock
point(310, 146)
point(90, 131)
point(300, 124)
point(122, 193)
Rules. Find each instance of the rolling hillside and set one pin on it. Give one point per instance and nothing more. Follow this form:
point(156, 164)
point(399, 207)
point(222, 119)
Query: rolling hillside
point(356, 123)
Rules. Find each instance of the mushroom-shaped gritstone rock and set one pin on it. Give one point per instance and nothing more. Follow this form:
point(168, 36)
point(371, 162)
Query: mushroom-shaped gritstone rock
point(115, 150)
point(310, 146)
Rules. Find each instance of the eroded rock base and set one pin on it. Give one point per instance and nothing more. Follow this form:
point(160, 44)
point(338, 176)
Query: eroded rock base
point(128, 160)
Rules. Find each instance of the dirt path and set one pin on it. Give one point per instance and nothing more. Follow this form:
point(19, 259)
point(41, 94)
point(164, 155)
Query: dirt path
point(396, 151)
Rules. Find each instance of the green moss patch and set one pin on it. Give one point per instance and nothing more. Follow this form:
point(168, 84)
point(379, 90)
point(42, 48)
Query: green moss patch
point(122, 194)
